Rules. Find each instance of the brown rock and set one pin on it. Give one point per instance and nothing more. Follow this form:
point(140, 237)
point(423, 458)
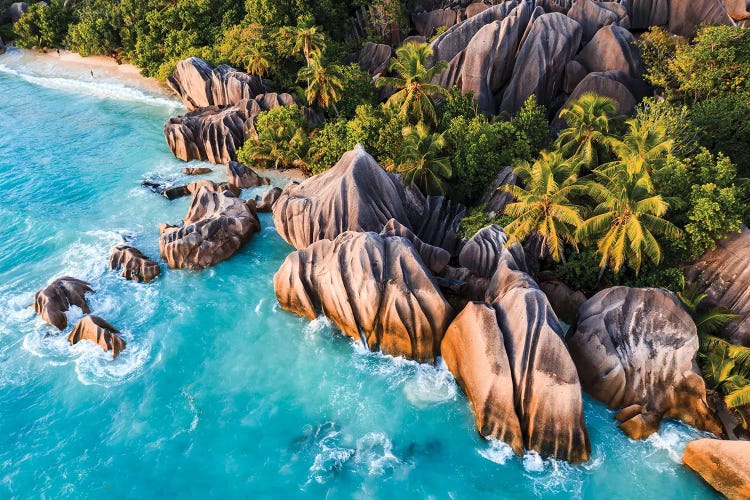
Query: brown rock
point(686, 15)
point(725, 465)
point(646, 13)
point(373, 58)
point(134, 265)
point(55, 299)
point(427, 22)
point(611, 49)
point(196, 170)
point(375, 289)
point(436, 258)
point(607, 85)
point(475, 8)
point(737, 9)
point(575, 72)
point(564, 301)
point(637, 346)
point(100, 332)
point(194, 187)
point(591, 16)
point(268, 199)
point(2, 46)
point(495, 198)
point(243, 177)
point(482, 253)
point(217, 225)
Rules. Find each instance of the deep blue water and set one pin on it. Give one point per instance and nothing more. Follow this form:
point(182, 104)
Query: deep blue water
point(220, 393)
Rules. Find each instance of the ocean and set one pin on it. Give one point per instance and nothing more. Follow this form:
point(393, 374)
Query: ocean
point(220, 393)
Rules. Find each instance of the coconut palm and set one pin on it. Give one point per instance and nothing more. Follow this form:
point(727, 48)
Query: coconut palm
point(642, 150)
point(726, 368)
point(625, 222)
point(324, 85)
point(708, 320)
point(543, 207)
point(420, 162)
point(257, 59)
point(415, 91)
point(307, 41)
point(588, 124)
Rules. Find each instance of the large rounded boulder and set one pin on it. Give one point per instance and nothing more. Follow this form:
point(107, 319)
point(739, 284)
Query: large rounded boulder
point(646, 13)
point(635, 349)
point(100, 332)
point(54, 300)
point(686, 15)
point(133, 264)
point(217, 225)
point(725, 465)
point(374, 288)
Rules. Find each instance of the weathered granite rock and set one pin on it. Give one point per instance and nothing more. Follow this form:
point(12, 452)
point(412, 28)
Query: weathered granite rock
point(267, 200)
point(52, 301)
point(243, 177)
point(635, 349)
point(524, 352)
point(612, 49)
point(495, 198)
point(217, 225)
point(725, 465)
point(482, 253)
point(686, 15)
point(607, 85)
point(552, 41)
point(373, 58)
point(475, 8)
point(564, 301)
point(737, 9)
point(216, 134)
point(16, 10)
point(556, 5)
point(438, 223)
point(474, 351)
point(592, 16)
point(100, 332)
point(724, 274)
point(134, 264)
point(575, 72)
point(646, 13)
point(200, 85)
point(435, 258)
point(427, 22)
point(374, 288)
point(194, 187)
point(196, 170)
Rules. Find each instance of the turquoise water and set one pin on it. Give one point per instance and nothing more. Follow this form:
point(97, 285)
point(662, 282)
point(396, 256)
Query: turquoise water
point(220, 393)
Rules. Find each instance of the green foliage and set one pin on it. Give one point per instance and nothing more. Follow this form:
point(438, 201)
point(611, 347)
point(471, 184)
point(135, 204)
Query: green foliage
point(282, 141)
point(324, 86)
point(588, 128)
point(328, 144)
point(383, 16)
point(421, 162)
point(357, 90)
point(532, 121)
point(43, 26)
point(456, 104)
point(96, 29)
point(380, 132)
point(476, 220)
point(723, 126)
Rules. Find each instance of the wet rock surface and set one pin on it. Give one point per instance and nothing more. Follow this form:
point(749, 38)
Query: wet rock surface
point(54, 300)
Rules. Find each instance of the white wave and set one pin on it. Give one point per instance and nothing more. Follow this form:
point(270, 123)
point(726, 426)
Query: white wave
point(375, 453)
point(496, 451)
point(316, 327)
point(107, 88)
point(431, 385)
point(672, 438)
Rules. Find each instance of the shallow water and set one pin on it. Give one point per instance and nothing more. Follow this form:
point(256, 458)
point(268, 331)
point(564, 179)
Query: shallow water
point(220, 393)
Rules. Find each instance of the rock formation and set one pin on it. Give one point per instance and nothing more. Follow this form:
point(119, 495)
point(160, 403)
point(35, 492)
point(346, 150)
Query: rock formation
point(16, 10)
point(217, 225)
point(373, 58)
point(133, 264)
point(725, 465)
point(646, 13)
point(99, 332)
point(196, 170)
point(509, 356)
point(686, 15)
point(435, 258)
point(216, 134)
point(374, 288)
point(55, 299)
point(611, 49)
point(552, 41)
point(482, 253)
point(267, 200)
point(635, 349)
point(607, 84)
point(200, 85)
point(495, 198)
point(724, 274)
point(564, 301)
point(242, 177)
point(427, 22)
point(592, 16)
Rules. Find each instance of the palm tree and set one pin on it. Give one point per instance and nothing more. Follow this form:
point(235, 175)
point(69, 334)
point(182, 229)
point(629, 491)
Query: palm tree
point(414, 81)
point(257, 60)
point(708, 320)
point(420, 162)
point(642, 150)
point(588, 128)
point(543, 207)
point(324, 85)
point(625, 221)
point(307, 41)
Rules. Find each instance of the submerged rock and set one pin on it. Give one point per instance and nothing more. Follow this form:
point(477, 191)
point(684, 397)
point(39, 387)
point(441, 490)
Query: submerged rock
point(199, 84)
point(374, 288)
point(196, 170)
point(635, 349)
point(243, 177)
point(724, 274)
point(134, 264)
point(217, 225)
point(267, 200)
point(99, 332)
point(55, 299)
point(725, 465)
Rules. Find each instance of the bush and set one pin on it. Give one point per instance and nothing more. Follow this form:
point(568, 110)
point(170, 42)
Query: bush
point(328, 144)
point(723, 126)
point(282, 141)
point(43, 26)
point(96, 30)
point(532, 121)
point(358, 90)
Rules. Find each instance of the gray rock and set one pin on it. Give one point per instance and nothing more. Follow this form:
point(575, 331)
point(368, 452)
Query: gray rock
point(606, 85)
point(646, 13)
point(495, 198)
point(16, 10)
point(267, 200)
point(686, 15)
point(427, 22)
point(482, 253)
point(373, 58)
point(242, 177)
point(435, 258)
point(612, 49)
point(591, 16)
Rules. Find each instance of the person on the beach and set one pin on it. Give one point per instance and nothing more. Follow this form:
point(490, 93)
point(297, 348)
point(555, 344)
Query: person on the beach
point(92, 73)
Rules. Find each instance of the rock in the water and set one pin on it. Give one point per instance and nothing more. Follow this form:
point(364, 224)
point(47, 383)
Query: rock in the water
point(635, 349)
point(482, 253)
point(373, 58)
point(552, 41)
point(52, 301)
point(686, 15)
point(199, 84)
point(196, 170)
point(134, 264)
point(16, 10)
point(435, 258)
point(724, 274)
point(474, 351)
point(100, 332)
point(268, 199)
point(592, 16)
point(646, 13)
point(243, 177)
point(725, 465)
point(374, 288)
point(216, 134)
point(612, 49)
point(217, 225)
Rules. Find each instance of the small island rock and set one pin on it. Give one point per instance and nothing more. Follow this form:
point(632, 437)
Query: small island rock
point(55, 299)
point(98, 331)
point(134, 264)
